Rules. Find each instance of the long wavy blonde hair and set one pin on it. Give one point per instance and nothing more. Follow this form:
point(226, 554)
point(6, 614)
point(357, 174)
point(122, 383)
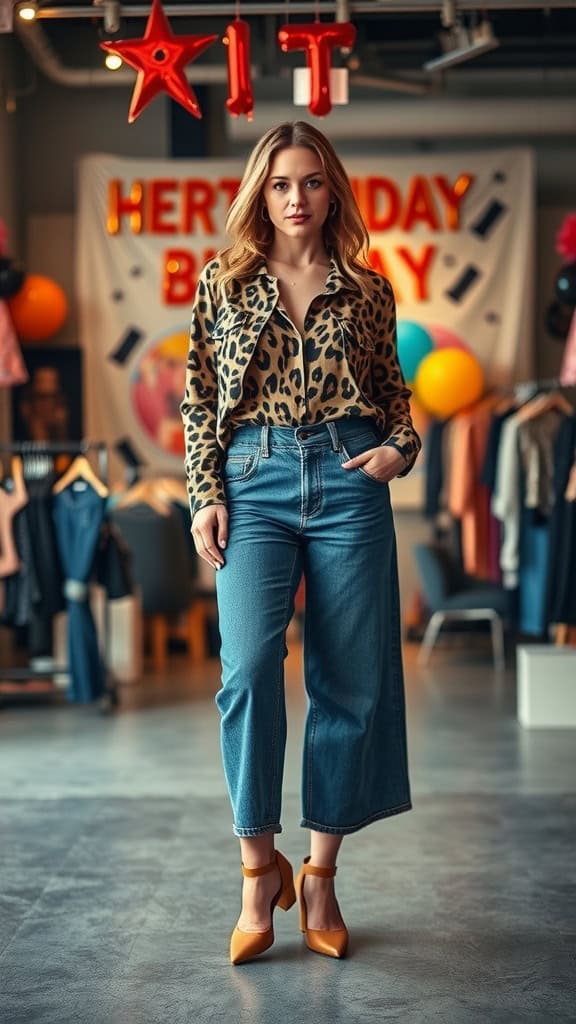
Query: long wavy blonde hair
point(345, 234)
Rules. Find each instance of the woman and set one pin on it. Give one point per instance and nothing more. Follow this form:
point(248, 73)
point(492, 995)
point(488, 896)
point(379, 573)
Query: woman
point(296, 416)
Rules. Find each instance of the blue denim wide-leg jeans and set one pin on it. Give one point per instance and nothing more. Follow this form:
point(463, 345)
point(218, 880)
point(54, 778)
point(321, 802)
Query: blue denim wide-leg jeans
point(293, 510)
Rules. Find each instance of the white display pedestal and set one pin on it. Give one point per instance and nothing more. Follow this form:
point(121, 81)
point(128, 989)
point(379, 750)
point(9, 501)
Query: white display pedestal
point(546, 686)
point(125, 643)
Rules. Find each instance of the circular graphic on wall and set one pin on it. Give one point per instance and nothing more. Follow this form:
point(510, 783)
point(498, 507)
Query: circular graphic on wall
point(156, 390)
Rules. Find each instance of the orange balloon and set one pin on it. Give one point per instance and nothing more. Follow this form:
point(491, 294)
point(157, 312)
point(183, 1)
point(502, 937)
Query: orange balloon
point(448, 380)
point(39, 309)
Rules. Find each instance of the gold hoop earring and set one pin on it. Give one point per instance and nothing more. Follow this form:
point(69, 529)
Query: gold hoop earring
point(265, 214)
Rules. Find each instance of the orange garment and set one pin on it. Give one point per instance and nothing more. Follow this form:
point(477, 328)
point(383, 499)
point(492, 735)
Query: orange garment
point(468, 499)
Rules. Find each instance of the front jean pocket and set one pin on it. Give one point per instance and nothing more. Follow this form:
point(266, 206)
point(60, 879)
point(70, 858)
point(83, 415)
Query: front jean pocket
point(356, 446)
point(240, 466)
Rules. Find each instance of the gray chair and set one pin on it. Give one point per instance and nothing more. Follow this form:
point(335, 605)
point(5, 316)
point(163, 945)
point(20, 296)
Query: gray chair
point(452, 596)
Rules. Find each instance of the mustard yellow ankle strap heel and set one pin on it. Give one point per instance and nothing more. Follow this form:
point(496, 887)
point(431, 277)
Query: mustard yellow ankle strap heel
point(246, 945)
point(330, 942)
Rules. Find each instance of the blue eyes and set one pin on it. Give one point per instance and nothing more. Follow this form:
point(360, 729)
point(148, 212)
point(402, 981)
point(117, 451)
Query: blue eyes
point(312, 183)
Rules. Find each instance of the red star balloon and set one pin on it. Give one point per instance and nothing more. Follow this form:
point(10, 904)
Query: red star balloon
point(160, 58)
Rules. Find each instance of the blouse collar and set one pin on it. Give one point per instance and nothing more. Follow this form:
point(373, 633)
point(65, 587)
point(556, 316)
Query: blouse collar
point(334, 282)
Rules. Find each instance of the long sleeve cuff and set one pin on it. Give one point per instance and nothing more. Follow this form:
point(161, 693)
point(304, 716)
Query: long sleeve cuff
point(406, 441)
point(205, 485)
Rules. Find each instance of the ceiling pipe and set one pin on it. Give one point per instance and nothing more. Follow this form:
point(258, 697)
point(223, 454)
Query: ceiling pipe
point(435, 119)
point(371, 7)
point(40, 49)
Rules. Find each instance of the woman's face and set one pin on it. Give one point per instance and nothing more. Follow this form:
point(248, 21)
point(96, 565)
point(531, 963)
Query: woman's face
point(296, 193)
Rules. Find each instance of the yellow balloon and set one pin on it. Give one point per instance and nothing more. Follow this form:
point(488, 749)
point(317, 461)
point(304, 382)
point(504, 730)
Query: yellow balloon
point(448, 380)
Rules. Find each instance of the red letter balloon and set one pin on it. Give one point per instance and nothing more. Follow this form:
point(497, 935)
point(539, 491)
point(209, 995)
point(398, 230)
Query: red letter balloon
point(240, 96)
point(318, 40)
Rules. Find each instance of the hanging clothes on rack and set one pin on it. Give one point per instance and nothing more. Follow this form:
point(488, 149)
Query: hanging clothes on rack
point(47, 598)
point(36, 592)
point(79, 507)
point(469, 498)
point(523, 499)
point(12, 367)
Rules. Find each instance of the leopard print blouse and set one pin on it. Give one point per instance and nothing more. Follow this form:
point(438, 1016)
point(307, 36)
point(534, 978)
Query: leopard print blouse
point(248, 364)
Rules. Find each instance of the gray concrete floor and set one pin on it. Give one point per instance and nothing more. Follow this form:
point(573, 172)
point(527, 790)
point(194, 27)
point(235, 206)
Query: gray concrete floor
point(120, 878)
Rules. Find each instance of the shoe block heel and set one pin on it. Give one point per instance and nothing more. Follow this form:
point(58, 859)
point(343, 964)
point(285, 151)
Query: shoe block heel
point(287, 897)
point(302, 919)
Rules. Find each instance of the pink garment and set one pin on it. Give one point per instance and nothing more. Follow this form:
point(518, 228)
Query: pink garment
point(10, 504)
point(568, 371)
point(468, 499)
point(12, 368)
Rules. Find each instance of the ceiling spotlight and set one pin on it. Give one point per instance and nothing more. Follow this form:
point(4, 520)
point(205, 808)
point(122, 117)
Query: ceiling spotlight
point(27, 10)
point(461, 44)
point(113, 62)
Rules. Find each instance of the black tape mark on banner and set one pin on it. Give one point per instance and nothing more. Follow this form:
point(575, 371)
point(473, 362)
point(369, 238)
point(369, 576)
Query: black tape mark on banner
point(487, 221)
point(463, 284)
point(126, 345)
point(127, 451)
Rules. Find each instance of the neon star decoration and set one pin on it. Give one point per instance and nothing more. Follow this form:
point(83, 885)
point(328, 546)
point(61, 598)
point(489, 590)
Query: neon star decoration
point(160, 57)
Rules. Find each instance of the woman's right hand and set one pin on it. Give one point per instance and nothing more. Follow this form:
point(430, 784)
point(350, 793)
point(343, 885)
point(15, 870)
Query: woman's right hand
point(210, 533)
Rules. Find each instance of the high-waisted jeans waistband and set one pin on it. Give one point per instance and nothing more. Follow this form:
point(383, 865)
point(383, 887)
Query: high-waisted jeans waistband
point(328, 434)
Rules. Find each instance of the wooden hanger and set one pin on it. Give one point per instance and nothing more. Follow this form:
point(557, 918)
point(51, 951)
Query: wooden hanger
point(81, 470)
point(504, 404)
point(17, 469)
point(17, 474)
point(172, 489)
point(544, 403)
point(144, 492)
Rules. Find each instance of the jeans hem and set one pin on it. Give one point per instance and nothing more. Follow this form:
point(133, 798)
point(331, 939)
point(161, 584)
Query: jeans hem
point(342, 830)
point(260, 830)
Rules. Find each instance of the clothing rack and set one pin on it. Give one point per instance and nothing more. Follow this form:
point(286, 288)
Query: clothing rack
point(49, 449)
point(61, 448)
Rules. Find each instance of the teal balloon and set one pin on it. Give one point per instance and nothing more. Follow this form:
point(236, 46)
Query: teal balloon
point(414, 344)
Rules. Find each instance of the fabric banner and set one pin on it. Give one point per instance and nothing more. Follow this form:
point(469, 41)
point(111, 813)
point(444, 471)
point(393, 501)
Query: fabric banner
point(453, 232)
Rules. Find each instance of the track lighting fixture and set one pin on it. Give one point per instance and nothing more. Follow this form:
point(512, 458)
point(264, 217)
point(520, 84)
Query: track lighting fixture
point(462, 44)
point(27, 10)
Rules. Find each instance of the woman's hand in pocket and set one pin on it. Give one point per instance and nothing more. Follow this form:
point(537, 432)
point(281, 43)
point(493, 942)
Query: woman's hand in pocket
point(210, 533)
point(383, 463)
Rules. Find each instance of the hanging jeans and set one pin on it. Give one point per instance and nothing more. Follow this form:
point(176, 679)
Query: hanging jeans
point(78, 512)
point(293, 510)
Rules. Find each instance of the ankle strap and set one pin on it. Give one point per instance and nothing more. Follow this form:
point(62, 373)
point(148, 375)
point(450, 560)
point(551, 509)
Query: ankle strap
point(313, 869)
point(262, 870)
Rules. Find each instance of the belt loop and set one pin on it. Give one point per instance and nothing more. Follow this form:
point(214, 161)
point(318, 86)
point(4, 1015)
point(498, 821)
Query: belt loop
point(332, 430)
point(265, 441)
